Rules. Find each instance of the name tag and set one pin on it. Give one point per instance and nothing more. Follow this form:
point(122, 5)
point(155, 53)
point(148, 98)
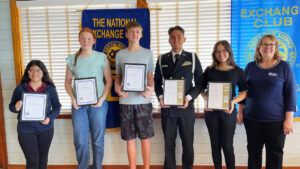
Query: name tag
point(273, 74)
point(164, 65)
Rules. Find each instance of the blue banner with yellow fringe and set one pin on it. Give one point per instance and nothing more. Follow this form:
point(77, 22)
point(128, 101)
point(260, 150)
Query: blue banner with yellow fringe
point(252, 19)
point(109, 27)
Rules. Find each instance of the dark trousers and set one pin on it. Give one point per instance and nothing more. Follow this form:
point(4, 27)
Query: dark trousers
point(221, 128)
point(35, 148)
point(269, 134)
point(186, 132)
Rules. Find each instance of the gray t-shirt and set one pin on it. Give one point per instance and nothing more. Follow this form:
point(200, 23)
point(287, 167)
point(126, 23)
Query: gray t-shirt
point(142, 56)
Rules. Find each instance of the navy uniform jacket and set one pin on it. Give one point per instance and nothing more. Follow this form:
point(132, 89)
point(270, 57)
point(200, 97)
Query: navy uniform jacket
point(182, 69)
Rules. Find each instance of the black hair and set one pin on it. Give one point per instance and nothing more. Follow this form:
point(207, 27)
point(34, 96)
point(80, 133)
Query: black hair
point(228, 48)
point(46, 78)
point(171, 29)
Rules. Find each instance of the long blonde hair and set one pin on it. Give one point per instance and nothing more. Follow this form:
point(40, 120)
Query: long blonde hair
point(80, 50)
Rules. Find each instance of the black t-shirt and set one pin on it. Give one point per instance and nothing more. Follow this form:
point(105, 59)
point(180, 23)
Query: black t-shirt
point(235, 75)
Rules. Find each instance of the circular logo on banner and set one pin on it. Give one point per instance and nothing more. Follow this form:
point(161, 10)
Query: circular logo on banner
point(286, 46)
point(110, 49)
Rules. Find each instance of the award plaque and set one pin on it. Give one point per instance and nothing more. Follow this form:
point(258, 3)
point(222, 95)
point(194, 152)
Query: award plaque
point(219, 95)
point(174, 92)
point(134, 78)
point(86, 91)
point(34, 107)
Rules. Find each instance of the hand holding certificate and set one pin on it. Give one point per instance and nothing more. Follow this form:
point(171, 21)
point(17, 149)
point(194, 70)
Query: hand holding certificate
point(86, 91)
point(34, 107)
point(219, 95)
point(173, 92)
point(134, 77)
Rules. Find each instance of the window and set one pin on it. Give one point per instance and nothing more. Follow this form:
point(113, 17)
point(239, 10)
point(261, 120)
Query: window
point(50, 33)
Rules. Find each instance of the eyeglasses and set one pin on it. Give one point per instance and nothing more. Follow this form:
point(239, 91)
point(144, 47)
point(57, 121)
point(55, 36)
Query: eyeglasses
point(223, 51)
point(268, 44)
point(35, 70)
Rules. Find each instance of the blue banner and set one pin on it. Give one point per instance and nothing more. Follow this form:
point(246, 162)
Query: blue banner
point(109, 27)
point(252, 19)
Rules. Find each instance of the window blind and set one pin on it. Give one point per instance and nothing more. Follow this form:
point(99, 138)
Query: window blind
point(50, 33)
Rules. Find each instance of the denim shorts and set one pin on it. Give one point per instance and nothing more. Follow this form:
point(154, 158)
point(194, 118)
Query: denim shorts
point(136, 120)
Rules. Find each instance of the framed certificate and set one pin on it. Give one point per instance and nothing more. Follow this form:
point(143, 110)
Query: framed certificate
point(174, 92)
point(34, 107)
point(219, 95)
point(86, 91)
point(134, 77)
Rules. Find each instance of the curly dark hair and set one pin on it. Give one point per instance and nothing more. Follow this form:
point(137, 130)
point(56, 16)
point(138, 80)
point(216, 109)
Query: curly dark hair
point(46, 78)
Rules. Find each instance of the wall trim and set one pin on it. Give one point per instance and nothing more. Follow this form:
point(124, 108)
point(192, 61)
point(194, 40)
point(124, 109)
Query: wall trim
point(141, 4)
point(138, 167)
point(17, 41)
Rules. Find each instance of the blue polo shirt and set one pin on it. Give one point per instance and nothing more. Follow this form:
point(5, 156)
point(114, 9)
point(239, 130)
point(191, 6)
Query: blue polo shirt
point(271, 92)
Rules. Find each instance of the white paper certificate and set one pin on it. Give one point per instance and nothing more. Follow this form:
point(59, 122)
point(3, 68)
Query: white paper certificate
point(34, 107)
point(173, 92)
point(134, 77)
point(219, 95)
point(86, 91)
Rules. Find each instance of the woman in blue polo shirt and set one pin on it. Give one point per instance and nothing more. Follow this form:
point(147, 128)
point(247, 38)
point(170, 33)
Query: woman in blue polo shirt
point(270, 104)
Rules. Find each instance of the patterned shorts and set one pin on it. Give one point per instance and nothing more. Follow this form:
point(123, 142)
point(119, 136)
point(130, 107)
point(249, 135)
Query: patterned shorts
point(136, 119)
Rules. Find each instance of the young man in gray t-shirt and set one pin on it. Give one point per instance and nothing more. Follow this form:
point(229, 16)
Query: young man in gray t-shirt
point(135, 107)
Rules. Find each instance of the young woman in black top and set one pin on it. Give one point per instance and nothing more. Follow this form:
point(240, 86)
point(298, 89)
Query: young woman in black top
point(221, 124)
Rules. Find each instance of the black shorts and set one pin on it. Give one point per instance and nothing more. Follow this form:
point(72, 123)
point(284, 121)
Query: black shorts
point(136, 119)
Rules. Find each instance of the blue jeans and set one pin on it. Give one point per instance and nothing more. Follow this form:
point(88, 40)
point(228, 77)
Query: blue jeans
point(89, 119)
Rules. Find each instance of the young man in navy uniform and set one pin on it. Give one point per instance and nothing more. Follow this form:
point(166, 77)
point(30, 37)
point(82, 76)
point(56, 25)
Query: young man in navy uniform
point(178, 64)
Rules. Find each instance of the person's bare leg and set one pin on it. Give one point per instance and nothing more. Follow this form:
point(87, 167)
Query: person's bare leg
point(131, 152)
point(145, 143)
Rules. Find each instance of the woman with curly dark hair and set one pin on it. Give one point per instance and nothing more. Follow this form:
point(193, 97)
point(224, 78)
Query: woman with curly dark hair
point(35, 136)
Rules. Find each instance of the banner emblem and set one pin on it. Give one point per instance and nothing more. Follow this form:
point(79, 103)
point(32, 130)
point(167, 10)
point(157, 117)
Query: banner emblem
point(110, 49)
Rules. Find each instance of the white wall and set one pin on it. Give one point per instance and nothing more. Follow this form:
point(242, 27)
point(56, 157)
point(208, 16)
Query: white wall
point(62, 149)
